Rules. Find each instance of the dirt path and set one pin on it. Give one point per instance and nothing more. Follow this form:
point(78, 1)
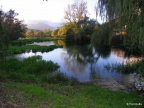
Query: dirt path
point(110, 84)
point(5, 98)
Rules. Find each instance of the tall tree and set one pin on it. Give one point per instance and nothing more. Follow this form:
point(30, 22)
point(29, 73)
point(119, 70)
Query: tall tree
point(47, 32)
point(129, 13)
point(75, 12)
point(55, 32)
point(79, 26)
point(10, 29)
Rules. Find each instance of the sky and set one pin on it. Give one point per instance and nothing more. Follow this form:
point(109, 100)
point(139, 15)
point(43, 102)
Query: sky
point(52, 11)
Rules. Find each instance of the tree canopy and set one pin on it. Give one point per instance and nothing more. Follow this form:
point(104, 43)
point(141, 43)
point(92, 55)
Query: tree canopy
point(129, 13)
point(10, 29)
point(75, 12)
point(77, 24)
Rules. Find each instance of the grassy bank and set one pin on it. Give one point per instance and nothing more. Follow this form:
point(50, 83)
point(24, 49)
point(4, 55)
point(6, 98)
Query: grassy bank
point(35, 83)
point(65, 96)
point(30, 41)
point(34, 48)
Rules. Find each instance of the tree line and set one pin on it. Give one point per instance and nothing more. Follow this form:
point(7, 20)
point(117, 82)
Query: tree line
point(77, 27)
point(123, 25)
point(31, 33)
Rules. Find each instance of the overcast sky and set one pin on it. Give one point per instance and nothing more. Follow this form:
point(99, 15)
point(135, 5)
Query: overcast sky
point(53, 10)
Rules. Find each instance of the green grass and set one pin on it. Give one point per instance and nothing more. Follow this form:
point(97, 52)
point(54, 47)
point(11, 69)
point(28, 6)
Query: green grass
point(34, 48)
point(76, 96)
point(32, 70)
point(30, 41)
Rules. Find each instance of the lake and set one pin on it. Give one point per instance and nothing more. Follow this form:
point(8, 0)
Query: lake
point(84, 62)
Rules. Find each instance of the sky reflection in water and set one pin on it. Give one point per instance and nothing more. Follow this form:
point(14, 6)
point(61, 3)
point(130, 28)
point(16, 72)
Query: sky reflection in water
point(81, 62)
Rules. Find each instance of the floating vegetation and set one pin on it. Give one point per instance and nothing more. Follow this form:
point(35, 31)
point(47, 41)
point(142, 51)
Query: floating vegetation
point(33, 48)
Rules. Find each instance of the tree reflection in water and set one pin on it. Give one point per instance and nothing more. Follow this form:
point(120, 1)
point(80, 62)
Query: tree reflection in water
point(85, 62)
point(79, 57)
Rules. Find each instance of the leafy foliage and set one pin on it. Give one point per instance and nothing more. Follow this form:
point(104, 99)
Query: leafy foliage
point(60, 32)
point(81, 32)
point(75, 12)
point(10, 29)
point(128, 13)
point(38, 33)
point(78, 26)
point(102, 36)
point(55, 32)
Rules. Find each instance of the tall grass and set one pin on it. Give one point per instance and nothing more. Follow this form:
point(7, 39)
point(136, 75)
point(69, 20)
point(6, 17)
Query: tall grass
point(26, 70)
point(32, 70)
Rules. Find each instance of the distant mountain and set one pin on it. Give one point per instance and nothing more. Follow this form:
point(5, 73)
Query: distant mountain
point(41, 24)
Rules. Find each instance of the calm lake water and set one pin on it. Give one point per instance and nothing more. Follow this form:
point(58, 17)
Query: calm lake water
point(84, 62)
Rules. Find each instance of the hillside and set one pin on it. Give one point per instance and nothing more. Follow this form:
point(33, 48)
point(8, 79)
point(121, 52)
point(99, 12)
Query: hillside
point(41, 24)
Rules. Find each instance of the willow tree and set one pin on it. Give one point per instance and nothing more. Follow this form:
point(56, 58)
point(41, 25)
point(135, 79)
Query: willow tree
point(129, 13)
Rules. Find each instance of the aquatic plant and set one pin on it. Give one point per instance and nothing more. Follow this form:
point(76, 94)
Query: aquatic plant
point(26, 70)
point(30, 41)
point(128, 68)
point(33, 48)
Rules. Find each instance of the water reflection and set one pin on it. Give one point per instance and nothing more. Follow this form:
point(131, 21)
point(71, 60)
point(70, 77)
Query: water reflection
point(44, 43)
point(48, 43)
point(103, 51)
point(60, 42)
point(86, 63)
